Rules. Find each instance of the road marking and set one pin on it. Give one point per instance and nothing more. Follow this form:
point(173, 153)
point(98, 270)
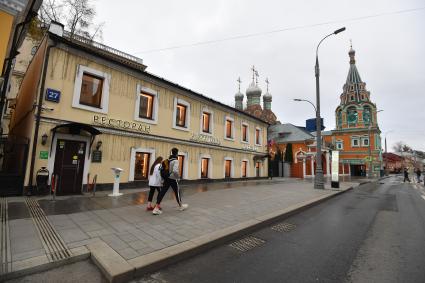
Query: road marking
point(423, 197)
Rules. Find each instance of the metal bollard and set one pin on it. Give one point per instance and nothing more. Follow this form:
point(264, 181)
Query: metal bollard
point(94, 184)
point(56, 187)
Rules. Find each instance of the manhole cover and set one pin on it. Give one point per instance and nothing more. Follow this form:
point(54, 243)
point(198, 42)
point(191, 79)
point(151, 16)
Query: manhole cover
point(284, 227)
point(247, 243)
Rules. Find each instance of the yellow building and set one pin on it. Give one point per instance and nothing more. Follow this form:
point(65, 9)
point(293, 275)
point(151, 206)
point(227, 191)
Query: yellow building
point(98, 108)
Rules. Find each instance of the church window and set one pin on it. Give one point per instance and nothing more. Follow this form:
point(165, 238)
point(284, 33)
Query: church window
point(355, 142)
point(366, 115)
point(352, 115)
point(339, 118)
point(339, 145)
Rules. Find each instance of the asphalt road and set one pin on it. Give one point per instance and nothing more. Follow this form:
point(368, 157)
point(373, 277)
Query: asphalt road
point(375, 233)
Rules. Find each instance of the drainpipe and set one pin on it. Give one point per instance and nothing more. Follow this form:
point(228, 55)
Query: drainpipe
point(38, 114)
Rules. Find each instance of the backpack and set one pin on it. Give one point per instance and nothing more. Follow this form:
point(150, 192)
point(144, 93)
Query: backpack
point(164, 170)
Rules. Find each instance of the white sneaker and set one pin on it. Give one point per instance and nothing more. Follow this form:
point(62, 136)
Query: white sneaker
point(156, 211)
point(183, 206)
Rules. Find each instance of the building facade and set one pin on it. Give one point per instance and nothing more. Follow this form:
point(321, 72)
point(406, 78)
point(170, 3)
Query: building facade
point(99, 108)
point(357, 133)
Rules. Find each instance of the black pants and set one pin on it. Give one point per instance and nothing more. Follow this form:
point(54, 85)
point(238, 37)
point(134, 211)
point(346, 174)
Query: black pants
point(406, 178)
point(175, 186)
point(152, 192)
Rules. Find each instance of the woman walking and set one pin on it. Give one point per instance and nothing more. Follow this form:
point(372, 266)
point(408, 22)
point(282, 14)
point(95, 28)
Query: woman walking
point(155, 182)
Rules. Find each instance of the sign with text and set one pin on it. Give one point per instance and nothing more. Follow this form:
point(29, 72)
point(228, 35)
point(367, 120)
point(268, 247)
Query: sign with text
point(44, 154)
point(96, 156)
point(53, 95)
point(249, 147)
point(121, 124)
point(335, 169)
point(205, 139)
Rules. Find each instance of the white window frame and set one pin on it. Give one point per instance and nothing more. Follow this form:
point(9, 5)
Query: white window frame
point(247, 132)
point(228, 118)
point(339, 144)
point(260, 169)
point(260, 136)
point(363, 139)
point(201, 156)
point(152, 92)
point(352, 141)
point(187, 104)
point(133, 159)
point(205, 109)
point(185, 163)
point(104, 104)
point(247, 167)
point(232, 171)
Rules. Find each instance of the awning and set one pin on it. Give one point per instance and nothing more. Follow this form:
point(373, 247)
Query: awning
point(76, 129)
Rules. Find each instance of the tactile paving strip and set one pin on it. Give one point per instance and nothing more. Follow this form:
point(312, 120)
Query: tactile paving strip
point(53, 244)
point(5, 256)
point(247, 243)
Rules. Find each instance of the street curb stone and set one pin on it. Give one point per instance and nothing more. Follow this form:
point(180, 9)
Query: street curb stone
point(32, 265)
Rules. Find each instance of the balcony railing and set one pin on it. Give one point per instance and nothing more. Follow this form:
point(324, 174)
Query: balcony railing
point(103, 47)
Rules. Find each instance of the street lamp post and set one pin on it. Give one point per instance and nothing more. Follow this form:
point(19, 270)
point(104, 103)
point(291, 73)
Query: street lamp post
point(318, 179)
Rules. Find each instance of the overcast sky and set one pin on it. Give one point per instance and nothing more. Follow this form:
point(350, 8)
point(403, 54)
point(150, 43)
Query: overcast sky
point(390, 52)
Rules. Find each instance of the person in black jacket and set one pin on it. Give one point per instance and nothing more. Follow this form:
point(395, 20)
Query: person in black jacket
point(406, 175)
point(171, 180)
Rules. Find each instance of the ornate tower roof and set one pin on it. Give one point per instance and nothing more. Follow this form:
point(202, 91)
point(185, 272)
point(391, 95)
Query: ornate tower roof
point(239, 96)
point(253, 92)
point(267, 97)
point(356, 110)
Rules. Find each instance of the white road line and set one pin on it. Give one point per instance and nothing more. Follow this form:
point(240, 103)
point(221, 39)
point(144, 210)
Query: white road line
point(423, 197)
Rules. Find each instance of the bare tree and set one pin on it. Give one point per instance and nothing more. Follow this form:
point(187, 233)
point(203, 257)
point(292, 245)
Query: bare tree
point(76, 15)
point(398, 146)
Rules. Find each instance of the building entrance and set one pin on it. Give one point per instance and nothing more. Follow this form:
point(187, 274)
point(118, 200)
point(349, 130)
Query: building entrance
point(358, 170)
point(69, 165)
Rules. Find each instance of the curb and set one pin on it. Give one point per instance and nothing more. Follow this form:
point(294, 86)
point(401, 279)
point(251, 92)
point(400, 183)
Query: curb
point(116, 269)
point(32, 265)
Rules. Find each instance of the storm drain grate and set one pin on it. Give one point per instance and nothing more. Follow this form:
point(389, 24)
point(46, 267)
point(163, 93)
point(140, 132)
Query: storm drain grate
point(284, 227)
point(52, 242)
point(5, 256)
point(247, 243)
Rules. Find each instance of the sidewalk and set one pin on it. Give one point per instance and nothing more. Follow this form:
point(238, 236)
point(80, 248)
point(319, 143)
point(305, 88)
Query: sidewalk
point(126, 241)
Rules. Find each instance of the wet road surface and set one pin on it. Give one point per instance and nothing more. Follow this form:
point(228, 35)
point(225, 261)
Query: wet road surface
point(375, 233)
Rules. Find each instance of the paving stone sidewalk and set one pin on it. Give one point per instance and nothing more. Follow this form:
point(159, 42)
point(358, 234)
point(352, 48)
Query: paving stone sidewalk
point(123, 224)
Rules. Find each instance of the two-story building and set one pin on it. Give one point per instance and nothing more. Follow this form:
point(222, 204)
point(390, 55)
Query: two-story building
point(86, 107)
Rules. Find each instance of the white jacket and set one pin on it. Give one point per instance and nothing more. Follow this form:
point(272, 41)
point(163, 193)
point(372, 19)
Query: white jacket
point(155, 180)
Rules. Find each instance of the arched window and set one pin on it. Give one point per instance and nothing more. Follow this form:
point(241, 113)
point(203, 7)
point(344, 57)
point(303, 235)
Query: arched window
point(367, 115)
point(352, 115)
point(339, 117)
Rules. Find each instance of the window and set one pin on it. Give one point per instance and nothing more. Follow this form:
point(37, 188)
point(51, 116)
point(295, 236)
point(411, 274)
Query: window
point(204, 167)
point(206, 120)
point(91, 90)
point(141, 166)
point(367, 115)
point(365, 141)
point(181, 115)
point(352, 115)
point(339, 145)
point(244, 132)
point(258, 136)
point(227, 168)
point(355, 142)
point(146, 106)
point(244, 169)
point(181, 165)
point(229, 130)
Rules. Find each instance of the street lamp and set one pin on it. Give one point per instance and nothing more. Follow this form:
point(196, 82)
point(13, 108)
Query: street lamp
point(318, 179)
point(314, 106)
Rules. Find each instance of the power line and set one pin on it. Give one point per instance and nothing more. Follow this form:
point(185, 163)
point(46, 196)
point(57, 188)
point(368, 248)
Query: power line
point(236, 37)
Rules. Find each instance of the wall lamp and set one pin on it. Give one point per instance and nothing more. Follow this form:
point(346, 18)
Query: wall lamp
point(44, 139)
point(98, 145)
